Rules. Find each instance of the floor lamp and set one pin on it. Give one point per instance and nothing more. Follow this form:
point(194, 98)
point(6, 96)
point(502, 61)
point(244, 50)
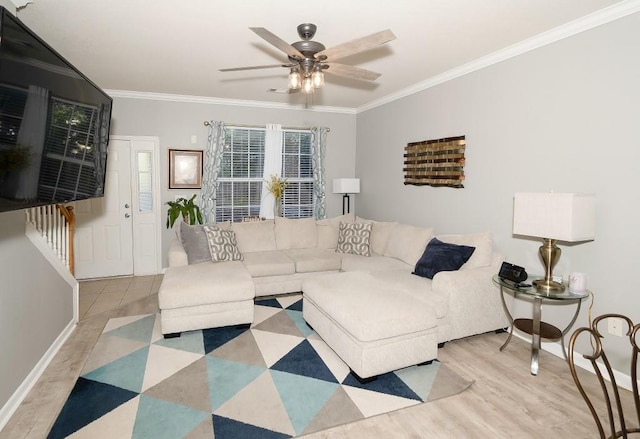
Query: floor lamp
point(346, 186)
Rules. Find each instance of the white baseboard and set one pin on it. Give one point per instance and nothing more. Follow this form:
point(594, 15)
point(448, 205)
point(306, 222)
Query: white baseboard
point(21, 392)
point(623, 380)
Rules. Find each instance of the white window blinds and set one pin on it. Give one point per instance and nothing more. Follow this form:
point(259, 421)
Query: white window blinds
point(242, 175)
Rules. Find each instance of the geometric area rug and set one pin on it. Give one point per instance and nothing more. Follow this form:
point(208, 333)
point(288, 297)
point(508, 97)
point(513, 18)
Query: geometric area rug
point(277, 379)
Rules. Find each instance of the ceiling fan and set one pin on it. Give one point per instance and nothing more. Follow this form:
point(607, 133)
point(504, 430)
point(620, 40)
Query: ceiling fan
point(309, 59)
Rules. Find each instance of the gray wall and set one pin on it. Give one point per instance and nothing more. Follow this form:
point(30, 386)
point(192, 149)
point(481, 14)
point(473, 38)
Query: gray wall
point(175, 122)
point(36, 304)
point(563, 117)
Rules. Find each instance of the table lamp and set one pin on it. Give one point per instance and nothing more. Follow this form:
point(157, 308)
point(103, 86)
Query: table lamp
point(554, 217)
point(346, 186)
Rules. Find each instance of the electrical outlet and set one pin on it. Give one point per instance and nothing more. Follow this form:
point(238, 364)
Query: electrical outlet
point(615, 326)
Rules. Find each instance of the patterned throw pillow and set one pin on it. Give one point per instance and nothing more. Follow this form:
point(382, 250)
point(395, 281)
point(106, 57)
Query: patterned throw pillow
point(354, 238)
point(222, 244)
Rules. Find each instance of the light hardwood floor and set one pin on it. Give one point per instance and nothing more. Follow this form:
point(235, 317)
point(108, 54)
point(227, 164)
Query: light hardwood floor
point(504, 402)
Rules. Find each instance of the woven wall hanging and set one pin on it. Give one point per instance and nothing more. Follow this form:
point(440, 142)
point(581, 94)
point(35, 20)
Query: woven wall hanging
point(437, 162)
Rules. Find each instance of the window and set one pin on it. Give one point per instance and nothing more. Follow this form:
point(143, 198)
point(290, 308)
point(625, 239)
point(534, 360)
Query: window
point(241, 175)
point(145, 181)
point(297, 168)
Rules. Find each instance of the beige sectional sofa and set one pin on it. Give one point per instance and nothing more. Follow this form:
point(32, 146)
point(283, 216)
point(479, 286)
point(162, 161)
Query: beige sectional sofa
point(279, 255)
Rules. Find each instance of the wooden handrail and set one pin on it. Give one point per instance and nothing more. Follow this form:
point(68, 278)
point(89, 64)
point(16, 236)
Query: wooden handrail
point(70, 217)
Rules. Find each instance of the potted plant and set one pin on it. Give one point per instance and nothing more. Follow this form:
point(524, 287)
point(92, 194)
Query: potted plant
point(187, 209)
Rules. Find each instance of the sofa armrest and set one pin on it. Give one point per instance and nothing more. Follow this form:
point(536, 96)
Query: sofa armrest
point(475, 305)
point(177, 256)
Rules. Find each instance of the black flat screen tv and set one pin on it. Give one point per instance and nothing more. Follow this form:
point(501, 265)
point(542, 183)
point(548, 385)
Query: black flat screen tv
point(54, 124)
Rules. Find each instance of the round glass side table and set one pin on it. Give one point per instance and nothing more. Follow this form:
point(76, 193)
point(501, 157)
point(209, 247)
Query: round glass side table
point(535, 326)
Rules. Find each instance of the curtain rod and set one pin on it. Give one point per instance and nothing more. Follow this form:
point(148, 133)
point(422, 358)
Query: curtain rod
point(206, 123)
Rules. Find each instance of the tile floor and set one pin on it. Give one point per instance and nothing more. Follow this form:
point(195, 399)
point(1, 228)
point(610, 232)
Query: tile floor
point(100, 295)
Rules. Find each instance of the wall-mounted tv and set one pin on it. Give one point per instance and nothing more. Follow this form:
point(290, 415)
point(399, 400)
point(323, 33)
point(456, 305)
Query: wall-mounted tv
point(54, 124)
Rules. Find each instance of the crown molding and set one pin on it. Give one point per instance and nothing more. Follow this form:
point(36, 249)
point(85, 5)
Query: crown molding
point(604, 16)
point(166, 97)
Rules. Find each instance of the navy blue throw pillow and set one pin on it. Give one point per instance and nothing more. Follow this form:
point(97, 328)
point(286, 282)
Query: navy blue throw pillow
point(441, 256)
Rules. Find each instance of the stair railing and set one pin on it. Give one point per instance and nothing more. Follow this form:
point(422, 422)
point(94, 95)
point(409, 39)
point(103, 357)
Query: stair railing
point(56, 224)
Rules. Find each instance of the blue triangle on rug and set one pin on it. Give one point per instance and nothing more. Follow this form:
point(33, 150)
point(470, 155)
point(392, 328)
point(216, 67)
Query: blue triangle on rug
point(304, 360)
point(157, 419)
point(388, 383)
point(229, 428)
point(89, 400)
point(296, 306)
point(216, 337)
point(269, 302)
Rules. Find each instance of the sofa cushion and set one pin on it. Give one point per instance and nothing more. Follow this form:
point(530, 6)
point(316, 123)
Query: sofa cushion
point(222, 244)
point(271, 263)
point(294, 233)
point(256, 236)
point(194, 285)
point(407, 243)
point(483, 243)
point(328, 230)
point(442, 256)
point(354, 238)
point(373, 263)
point(415, 286)
point(380, 233)
point(367, 308)
point(310, 260)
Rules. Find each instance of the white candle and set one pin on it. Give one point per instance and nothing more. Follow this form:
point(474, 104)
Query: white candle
point(578, 283)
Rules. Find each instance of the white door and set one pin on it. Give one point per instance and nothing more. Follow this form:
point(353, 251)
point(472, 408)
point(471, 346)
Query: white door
point(119, 234)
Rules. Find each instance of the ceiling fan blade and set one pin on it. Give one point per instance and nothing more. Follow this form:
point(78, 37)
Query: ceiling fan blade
point(352, 72)
point(277, 42)
point(358, 45)
point(270, 66)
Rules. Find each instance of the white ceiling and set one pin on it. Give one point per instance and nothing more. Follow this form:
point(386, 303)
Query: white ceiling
point(177, 46)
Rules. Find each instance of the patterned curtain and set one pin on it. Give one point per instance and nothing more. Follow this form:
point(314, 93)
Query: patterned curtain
point(318, 150)
point(212, 165)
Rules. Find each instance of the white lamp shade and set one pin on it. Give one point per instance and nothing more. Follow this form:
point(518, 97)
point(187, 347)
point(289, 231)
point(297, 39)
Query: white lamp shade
point(565, 217)
point(346, 185)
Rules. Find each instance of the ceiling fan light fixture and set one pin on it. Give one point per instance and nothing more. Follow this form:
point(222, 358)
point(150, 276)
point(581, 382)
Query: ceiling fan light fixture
point(307, 85)
point(317, 77)
point(295, 79)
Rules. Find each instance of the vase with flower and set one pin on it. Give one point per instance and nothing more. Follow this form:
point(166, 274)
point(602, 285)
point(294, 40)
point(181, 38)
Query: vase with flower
point(276, 186)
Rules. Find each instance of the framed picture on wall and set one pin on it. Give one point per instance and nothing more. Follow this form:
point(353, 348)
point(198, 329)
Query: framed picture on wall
point(185, 169)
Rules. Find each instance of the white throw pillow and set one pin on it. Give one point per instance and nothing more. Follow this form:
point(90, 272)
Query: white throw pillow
point(407, 243)
point(483, 243)
point(295, 233)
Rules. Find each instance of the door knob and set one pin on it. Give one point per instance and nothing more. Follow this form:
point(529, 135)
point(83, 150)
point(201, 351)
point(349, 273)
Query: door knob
point(126, 215)
point(126, 206)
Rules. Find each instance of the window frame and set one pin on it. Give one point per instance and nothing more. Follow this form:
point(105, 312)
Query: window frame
point(226, 207)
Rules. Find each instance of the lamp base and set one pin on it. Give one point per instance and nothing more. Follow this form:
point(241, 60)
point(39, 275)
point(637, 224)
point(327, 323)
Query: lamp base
point(548, 285)
point(549, 253)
